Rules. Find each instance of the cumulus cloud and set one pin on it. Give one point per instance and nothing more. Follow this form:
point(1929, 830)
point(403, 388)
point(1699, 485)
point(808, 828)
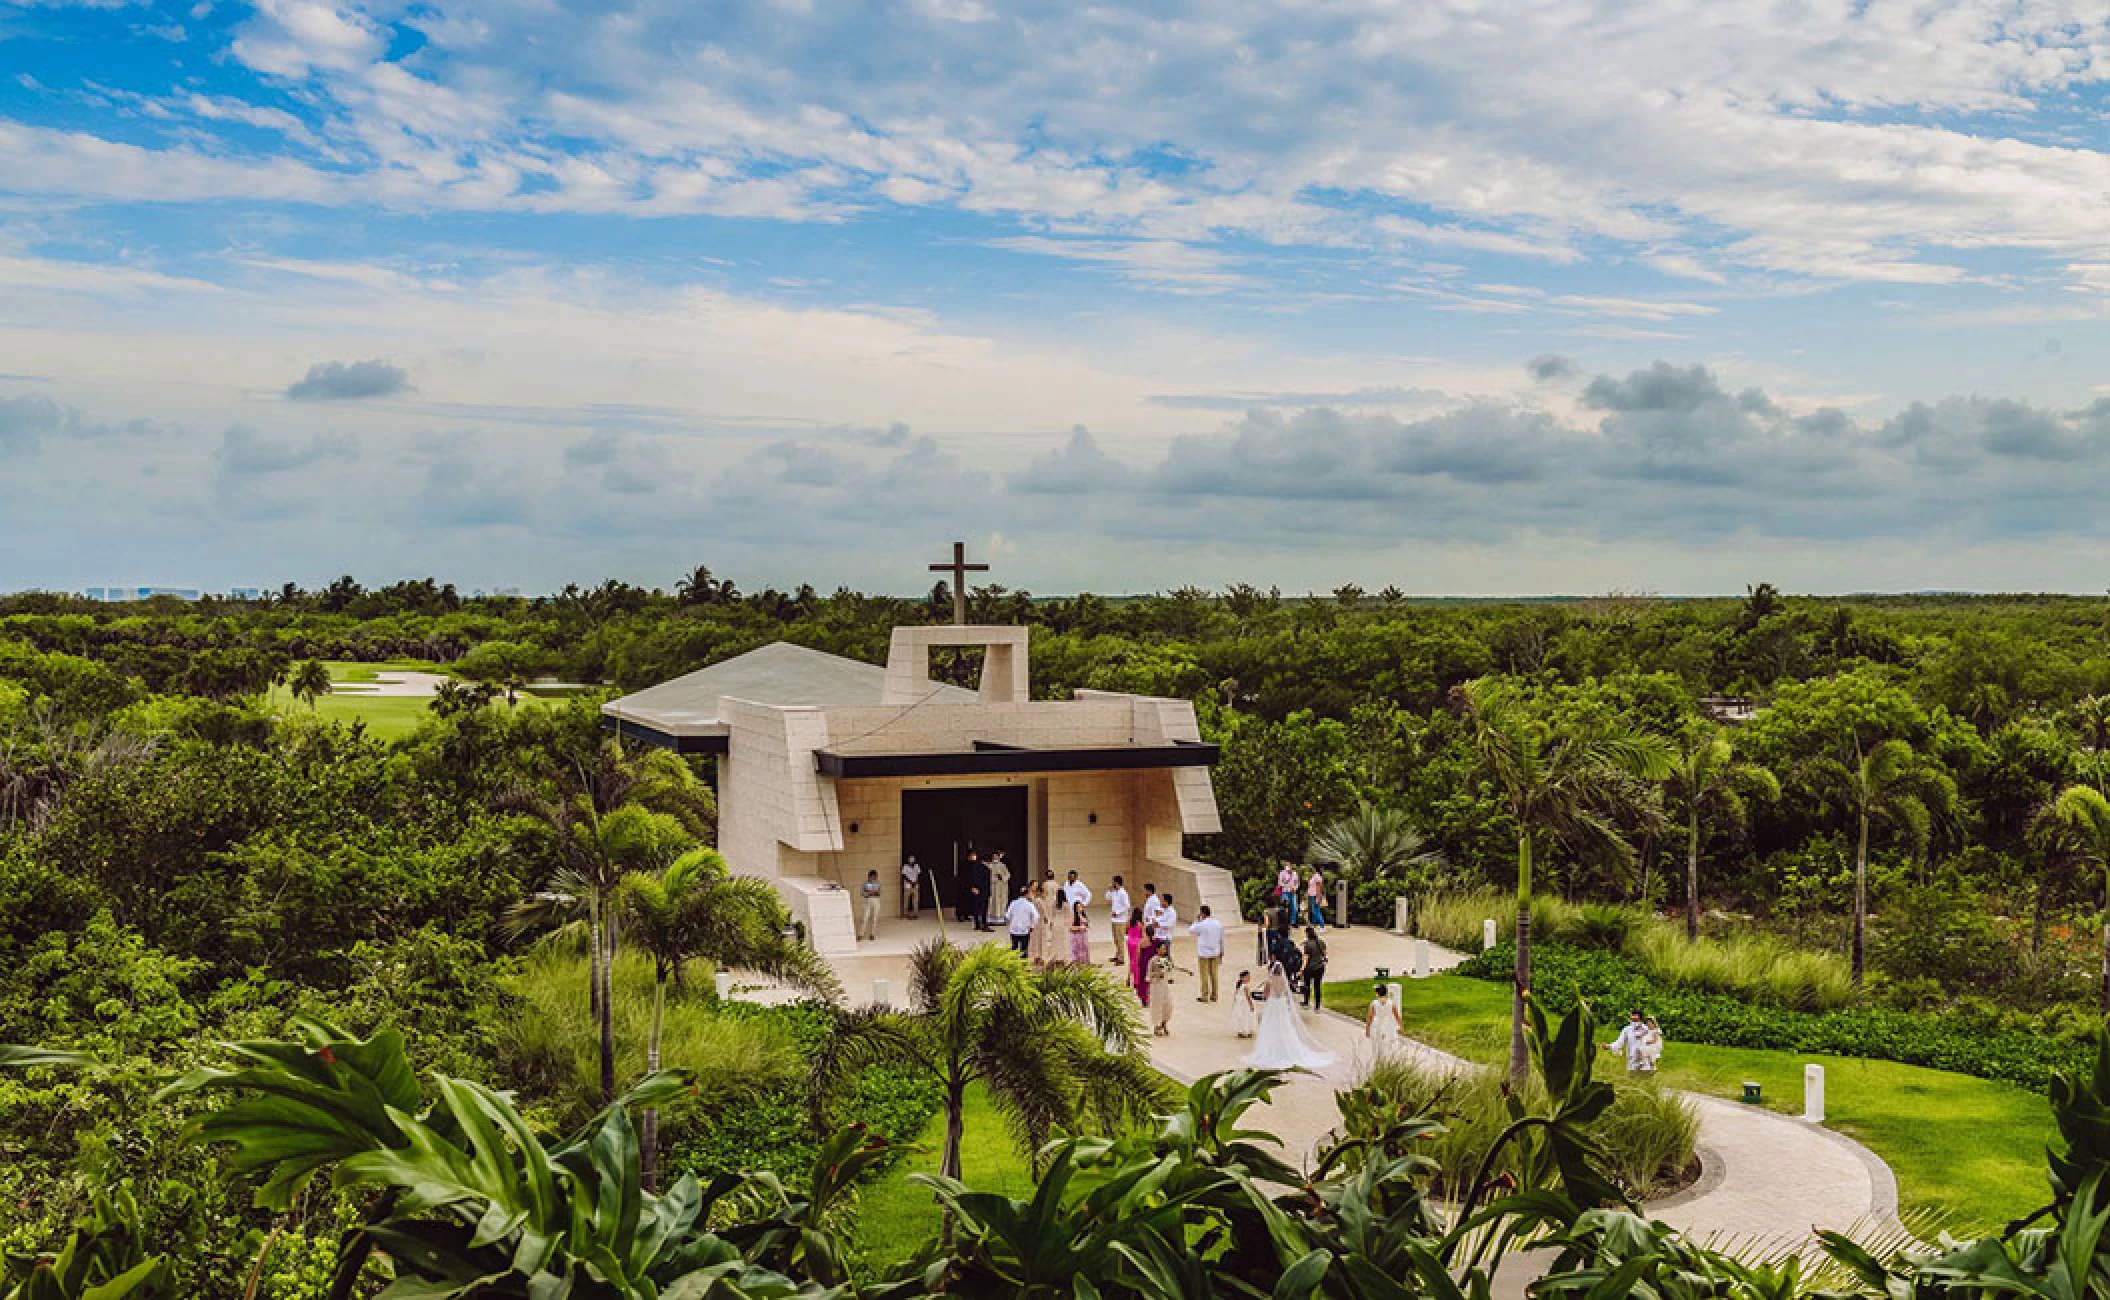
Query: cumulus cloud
point(1548, 367)
point(342, 381)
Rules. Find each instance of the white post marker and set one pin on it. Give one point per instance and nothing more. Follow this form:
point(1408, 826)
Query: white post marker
point(1487, 934)
point(1813, 1093)
point(1421, 959)
point(880, 995)
point(722, 981)
point(1399, 914)
point(1340, 903)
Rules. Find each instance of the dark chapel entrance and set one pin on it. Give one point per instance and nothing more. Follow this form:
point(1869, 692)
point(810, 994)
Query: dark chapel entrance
point(941, 826)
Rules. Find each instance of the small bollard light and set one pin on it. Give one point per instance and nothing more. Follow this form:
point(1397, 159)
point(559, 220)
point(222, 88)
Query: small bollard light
point(1399, 914)
point(1813, 1093)
point(879, 993)
point(1421, 959)
point(1487, 934)
point(1752, 1093)
point(1384, 974)
point(722, 983)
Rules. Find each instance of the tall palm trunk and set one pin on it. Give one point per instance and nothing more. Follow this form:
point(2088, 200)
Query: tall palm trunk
point(1861, 902)
point(2103, 994)
point(593, 962)
point(648, 1123)
point(955, 1128)
point(606, 954)
point(1519, 1049)
point(2037, 913)
point(1692, 878)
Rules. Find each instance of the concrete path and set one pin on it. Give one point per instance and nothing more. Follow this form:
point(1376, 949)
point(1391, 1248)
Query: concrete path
point(1767, 1182)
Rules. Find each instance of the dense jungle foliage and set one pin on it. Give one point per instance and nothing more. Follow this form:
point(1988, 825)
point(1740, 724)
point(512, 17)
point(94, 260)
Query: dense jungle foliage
point(181, 863)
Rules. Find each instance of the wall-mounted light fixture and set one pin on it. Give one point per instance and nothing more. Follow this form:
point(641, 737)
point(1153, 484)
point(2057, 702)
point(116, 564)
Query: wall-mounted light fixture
point(853, 828)
point(1093, 818)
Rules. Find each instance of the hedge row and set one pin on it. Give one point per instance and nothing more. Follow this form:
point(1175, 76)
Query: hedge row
point(1615, 984)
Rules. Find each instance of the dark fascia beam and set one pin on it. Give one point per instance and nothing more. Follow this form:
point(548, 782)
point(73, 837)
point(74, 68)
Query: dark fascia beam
point(992, 758)
point(644, 735)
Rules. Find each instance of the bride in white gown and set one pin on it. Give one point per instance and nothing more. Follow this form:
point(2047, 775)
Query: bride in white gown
point(1280, 1043)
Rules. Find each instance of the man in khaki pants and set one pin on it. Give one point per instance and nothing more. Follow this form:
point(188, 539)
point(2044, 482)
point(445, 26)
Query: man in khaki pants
point(1208, 935)
point(1117, 912)
point(868, 920)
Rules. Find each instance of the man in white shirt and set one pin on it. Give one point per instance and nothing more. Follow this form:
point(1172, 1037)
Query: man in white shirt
point(1020, 919)
point(1632, 1044)
point(1152, 905)
point(1168, 917)
point(1118, 907)
point(1075, 891)
point(1208, 935)
point(911, 884)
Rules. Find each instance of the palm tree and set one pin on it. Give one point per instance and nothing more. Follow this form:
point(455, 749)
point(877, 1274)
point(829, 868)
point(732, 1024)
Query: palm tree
point(597, 852)
point(2085, 814)
point(1706, 780)
point(1558, 785)
point(1053, 1048)
point(309, 682)
point(697, 908)
point(1885, 784)
point(1371, 842)
point(2091, 717)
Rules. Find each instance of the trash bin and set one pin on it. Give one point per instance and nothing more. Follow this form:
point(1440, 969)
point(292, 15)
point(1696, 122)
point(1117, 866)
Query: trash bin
point(1752, 1093)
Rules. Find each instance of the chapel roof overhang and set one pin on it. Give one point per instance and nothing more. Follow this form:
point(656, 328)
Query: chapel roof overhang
point(993, 758)
point(682, 714)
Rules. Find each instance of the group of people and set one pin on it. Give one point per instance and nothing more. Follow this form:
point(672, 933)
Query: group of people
point(1303, 896)
point(1050, 922)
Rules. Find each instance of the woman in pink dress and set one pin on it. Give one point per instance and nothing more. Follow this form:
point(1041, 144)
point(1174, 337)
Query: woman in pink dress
point(1080, 935)
point(1135, 955)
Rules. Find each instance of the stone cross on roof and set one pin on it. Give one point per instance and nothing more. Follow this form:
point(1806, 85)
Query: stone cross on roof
point(959, 568)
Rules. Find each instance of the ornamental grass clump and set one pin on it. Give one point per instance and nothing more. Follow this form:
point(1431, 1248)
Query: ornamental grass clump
point(1645, 1138)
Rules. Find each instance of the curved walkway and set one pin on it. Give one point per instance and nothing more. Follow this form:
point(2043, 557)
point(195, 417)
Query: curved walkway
point(1768, 1181)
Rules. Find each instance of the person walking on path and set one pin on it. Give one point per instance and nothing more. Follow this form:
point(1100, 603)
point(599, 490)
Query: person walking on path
point(1117, 909)
point(1208, 935)
point(1160, 999)
point(1080, 935)
point(868, 915)
point(1021, 919)
point(1314, 968)
point(1245, 1011)
point(1632, 1044)
point(911, 887)
point(1315, 891)
point(1381, 1022)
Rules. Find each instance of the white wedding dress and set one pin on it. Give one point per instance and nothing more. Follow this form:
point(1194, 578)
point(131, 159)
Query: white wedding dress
point(1280, 1044)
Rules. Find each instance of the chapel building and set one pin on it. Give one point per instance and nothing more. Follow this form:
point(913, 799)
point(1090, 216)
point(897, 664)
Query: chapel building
point(829, 768)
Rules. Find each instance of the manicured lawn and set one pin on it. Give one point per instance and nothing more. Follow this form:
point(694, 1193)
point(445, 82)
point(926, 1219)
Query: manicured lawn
point(1966, 1149)
point(387, 717)
point(894, 1215)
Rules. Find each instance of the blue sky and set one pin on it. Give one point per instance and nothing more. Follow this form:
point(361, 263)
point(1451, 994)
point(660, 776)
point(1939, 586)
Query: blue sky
point(1579, 296)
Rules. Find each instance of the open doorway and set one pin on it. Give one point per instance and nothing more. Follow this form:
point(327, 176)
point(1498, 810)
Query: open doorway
point(940, 827)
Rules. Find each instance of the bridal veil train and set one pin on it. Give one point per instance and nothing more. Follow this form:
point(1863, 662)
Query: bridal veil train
point(1280, 1043)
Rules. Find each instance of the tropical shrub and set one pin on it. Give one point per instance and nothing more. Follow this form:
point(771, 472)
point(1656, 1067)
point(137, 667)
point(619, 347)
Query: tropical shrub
point(2021, 1054)
point(1645, 1138)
